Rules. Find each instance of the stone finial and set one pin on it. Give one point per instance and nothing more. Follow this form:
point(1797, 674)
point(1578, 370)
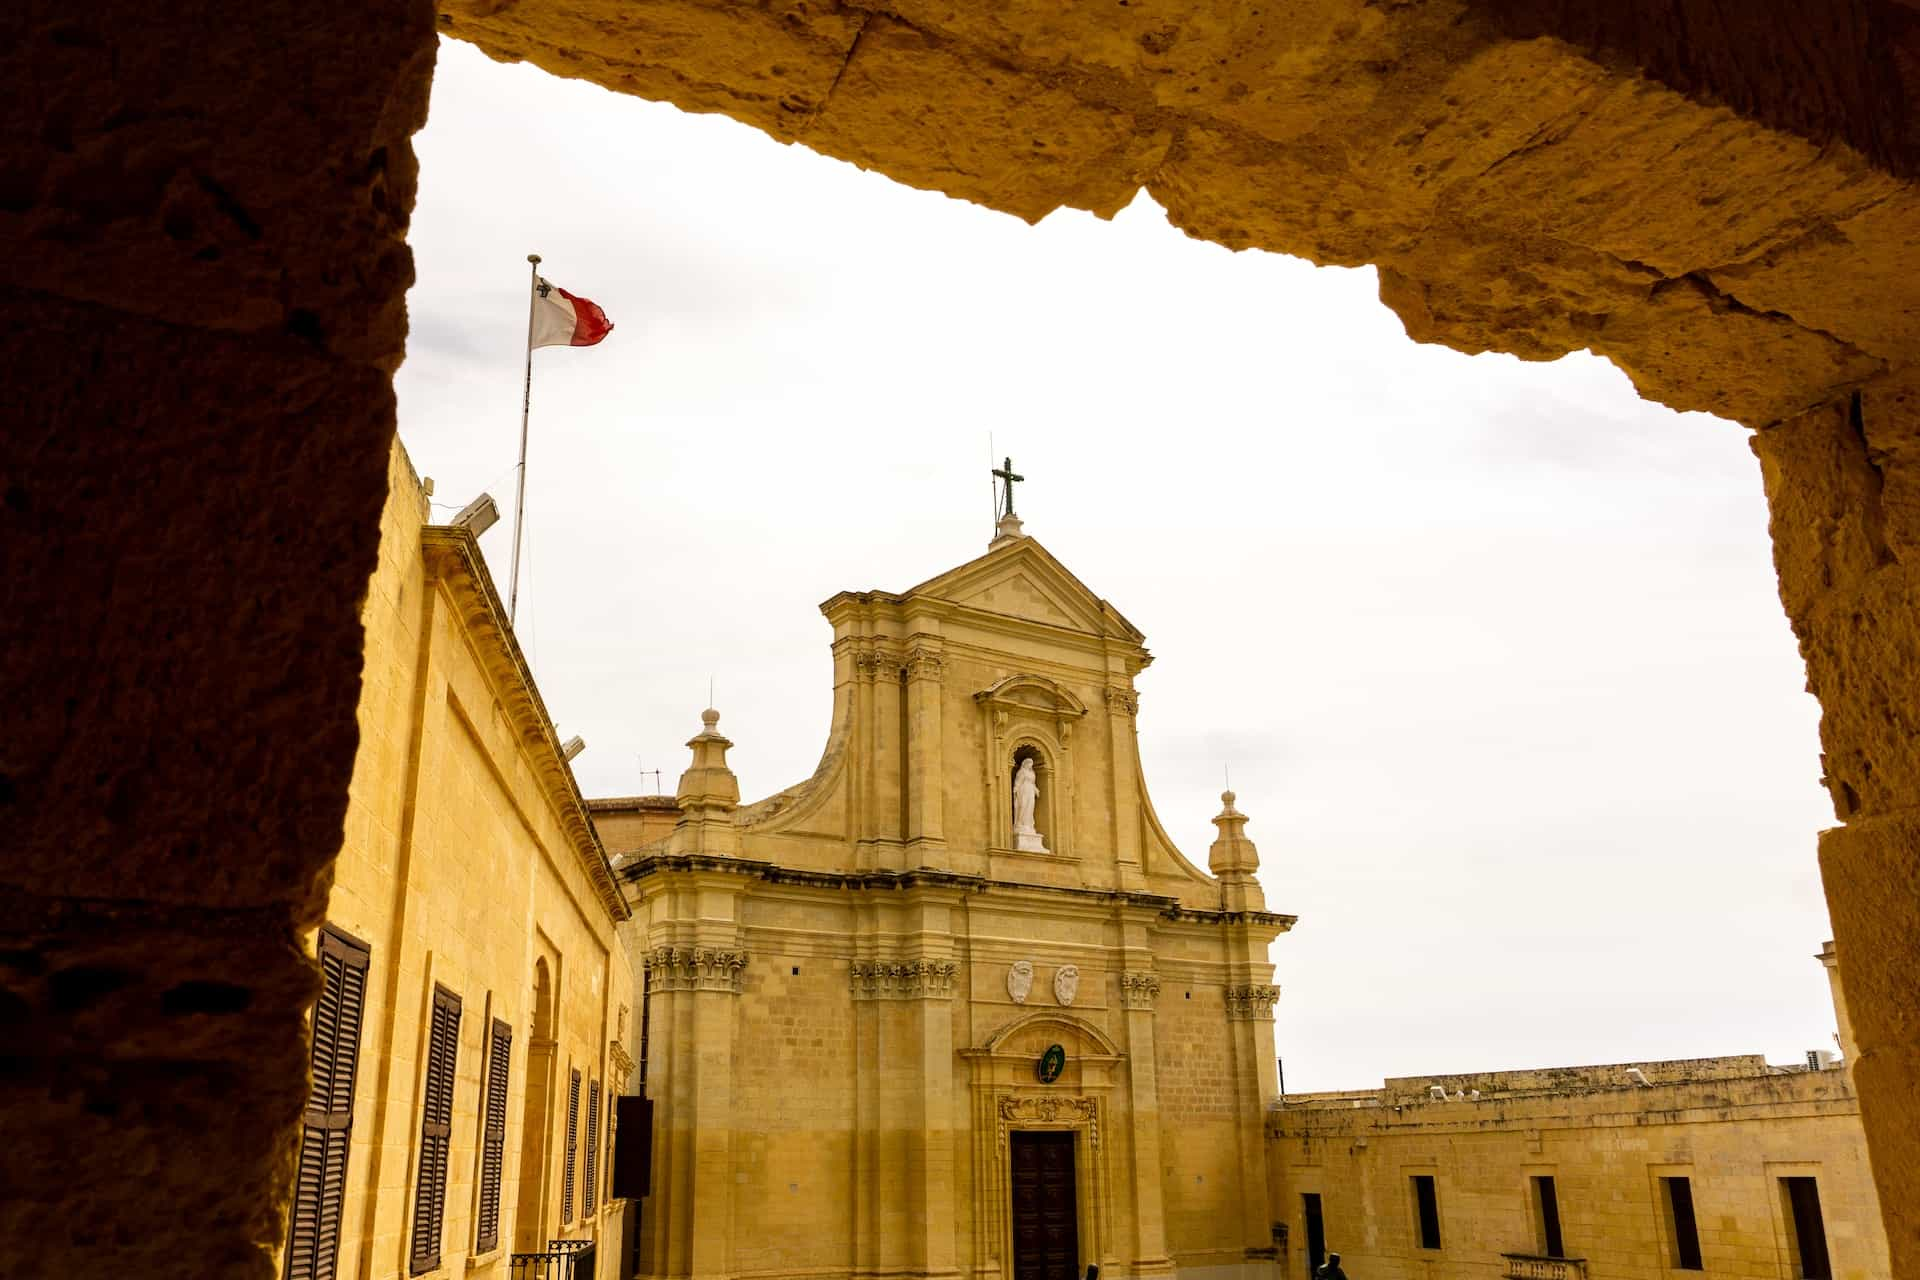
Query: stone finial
point(707, 795)
point(1233, 859)
point(1009, 529)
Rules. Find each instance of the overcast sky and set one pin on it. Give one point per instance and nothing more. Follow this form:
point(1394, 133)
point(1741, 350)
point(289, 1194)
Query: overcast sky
point(1493, 649)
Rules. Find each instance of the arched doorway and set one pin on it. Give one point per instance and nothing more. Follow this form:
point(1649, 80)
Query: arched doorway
point(529, 1221)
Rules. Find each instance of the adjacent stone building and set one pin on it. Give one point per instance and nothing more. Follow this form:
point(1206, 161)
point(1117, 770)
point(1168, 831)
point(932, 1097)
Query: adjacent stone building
point(467, 1044)
point(955, 1005)
point(1722, 1167)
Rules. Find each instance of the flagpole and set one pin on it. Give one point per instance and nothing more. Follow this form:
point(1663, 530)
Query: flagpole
point(526, 403)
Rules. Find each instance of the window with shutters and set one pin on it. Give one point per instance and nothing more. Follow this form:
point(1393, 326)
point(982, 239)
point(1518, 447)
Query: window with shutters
point(436, 1130)
point(590, 1188)
point(493, 1136)
point(573, 1146)
point(320, 1183)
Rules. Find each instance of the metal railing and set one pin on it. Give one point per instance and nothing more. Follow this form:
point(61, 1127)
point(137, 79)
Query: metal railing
point(561, 1260)
point(1534, 1266)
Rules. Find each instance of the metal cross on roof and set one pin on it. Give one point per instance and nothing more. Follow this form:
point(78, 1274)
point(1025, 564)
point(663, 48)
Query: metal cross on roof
point(1008, 479)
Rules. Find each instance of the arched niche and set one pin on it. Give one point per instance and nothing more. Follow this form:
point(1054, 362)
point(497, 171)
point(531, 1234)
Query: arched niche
point(1030, 716)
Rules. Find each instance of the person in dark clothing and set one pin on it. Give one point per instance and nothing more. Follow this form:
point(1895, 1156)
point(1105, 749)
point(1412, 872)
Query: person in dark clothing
point(1330, 1269)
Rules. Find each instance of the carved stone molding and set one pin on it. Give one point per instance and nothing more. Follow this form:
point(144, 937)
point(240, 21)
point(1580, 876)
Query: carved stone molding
point(1252, 1002)
point(1048, 1109)
point(1139, 990)
point(695, 969)
point(874, 662)
point(622, 1066)
point(925, 664)
point(1125, 701)
point(902, 979)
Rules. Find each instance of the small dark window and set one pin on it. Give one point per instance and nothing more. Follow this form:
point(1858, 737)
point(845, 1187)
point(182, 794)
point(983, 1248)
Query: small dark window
point(573, 1147)
point(320, 1178)
point(590, 1190)
point(1686, 1233)
point(796, 971)
point(1316, 1231)
point(493, 1136)
point(1546, 1204)
point(1809, 1229)
point(436, 1130)
point(1427, 1206)
point(632, 1147)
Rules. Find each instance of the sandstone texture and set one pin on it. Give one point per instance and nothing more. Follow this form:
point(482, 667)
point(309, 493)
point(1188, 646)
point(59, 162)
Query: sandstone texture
point(203, 211)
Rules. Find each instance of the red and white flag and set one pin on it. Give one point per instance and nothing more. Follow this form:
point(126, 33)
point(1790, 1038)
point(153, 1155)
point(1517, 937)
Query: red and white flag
point(561, 319)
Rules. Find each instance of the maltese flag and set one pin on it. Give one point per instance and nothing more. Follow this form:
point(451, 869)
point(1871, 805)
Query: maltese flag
point(560, 319)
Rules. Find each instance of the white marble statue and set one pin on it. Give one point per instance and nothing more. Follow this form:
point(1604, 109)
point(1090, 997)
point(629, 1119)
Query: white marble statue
point(1026, 795)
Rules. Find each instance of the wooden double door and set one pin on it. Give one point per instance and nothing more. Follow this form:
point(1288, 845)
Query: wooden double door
point(1045, 1215)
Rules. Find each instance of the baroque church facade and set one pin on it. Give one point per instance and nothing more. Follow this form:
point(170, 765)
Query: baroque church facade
point(955, 1005)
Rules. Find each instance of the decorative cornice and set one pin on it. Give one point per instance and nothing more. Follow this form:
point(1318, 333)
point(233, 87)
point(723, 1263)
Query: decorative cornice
point(1139, 990)
point(451, 556)
point(902, 979)
point(641, 867)
point(1050, 1109)
point(1252, 1002)
point(695, 969)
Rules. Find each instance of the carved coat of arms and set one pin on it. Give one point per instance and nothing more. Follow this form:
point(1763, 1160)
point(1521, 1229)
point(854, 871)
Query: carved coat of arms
point(1020, 980)
point(1066, 983)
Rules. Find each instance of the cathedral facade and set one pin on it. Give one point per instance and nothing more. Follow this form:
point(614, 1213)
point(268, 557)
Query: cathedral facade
point(955, 1004)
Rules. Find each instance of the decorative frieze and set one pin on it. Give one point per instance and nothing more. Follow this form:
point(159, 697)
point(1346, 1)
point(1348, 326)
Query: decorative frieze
point(902, 979)
point(695, 969)
point(1020, 1112)
point(1252, 1002)
point(1139, 990)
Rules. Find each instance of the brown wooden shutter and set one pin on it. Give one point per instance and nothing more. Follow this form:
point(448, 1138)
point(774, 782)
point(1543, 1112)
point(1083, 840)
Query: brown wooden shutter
point(320, 1181)
point(573, 1146)
point(436, 1129)
point(591, 1192)
point(493, 1136)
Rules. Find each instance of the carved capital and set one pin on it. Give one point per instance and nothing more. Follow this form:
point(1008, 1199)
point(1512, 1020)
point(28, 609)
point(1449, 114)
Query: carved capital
point(1252, 1002)
point(925, 664)
point(1124, 701)
point(902, 979)
point(1139, 990)
point(695, 969)
point(876, 662)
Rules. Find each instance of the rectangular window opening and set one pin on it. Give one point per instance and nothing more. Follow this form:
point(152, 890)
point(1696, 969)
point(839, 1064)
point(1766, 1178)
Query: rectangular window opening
point(1546, 1214)
point(1686, 1232)
point(493, 1136)
point(436, 1130)
point(1809, 1228)
point(1316, 1231)
point(573, 1147)
point(320, 1178)
point(1427, 1206)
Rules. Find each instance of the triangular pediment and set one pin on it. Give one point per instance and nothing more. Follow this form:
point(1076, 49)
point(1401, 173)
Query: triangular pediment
point(1021, 579)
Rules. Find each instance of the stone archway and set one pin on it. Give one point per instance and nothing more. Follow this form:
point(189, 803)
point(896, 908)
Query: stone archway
point(205, 228)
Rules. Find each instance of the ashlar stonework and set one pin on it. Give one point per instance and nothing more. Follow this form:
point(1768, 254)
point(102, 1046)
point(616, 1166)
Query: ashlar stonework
point(919, 994)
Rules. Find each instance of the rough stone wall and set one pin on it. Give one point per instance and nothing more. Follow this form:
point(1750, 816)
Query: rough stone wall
point(202, 213)
point(1605, 1149)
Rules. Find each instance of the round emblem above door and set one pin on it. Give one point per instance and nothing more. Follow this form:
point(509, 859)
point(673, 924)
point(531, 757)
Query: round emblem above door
point(1051, 1064)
